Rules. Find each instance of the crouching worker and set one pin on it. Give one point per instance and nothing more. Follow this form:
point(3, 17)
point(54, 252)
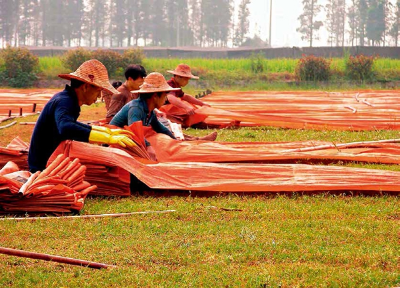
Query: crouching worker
point(179, 106)
point(152, 95)
point(58, 120)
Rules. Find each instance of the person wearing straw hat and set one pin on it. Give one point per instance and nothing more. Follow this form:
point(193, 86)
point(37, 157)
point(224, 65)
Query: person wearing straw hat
point(58, 120)
point(152, 95)
point(181, 76)
point(134, 75)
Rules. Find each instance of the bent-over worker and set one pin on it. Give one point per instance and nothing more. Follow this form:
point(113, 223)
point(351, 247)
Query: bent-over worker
point(152, 95)
point(181, 76)
point(58, 120)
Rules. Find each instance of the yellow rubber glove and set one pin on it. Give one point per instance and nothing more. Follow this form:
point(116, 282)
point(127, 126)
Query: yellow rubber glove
point(112, 131)
point(102, 137)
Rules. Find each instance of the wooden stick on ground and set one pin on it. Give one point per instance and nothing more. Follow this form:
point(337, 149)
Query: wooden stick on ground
point(8, 125)
point(89, 216)
point(59, 259)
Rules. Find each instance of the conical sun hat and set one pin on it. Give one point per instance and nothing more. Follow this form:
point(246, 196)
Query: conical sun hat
point(92, 72)
point(183, 70)
point(155, 82)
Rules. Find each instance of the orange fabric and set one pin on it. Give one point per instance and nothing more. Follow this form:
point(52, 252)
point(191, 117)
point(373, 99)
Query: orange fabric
point(235, 177)
point(169, 150)
point(180, 116)
point(305, 109)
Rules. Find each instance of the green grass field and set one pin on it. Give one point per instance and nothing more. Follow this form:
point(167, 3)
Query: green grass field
point(233, 74)
point(274, 241)
point(282, 241)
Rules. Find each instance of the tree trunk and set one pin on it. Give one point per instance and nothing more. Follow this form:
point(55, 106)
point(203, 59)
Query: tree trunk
point(312, 22)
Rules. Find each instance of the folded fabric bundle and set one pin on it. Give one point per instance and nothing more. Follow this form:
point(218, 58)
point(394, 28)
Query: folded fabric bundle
point(60, 188)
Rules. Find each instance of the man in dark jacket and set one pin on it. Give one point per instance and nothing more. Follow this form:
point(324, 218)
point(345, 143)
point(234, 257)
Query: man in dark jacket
point(58, 120)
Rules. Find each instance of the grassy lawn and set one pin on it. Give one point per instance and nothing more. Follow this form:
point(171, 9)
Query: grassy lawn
point(320, 241)
point(281, 241)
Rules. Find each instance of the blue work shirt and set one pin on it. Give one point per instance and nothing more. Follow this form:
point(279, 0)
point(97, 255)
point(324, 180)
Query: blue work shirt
point(56, 123)
point(137, 110)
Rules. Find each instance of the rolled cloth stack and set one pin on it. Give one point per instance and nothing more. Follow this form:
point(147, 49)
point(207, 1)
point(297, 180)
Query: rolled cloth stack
point(59, 188)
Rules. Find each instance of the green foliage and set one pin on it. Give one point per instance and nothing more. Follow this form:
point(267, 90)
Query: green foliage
point(109, 58)
point(19, 67)
point(257, 62)
point(73, 58)
point(359, 68)
point(312, 68)
point(132, 56)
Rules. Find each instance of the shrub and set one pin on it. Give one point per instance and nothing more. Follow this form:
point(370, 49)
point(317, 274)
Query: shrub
point(132, 56)
point(311, 68)
point(110, 59)
point(359, 68)
point(19, 67)
point(257, 62)
point(72, 59)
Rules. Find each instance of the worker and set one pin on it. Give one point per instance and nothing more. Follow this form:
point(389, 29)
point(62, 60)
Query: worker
point(106, 95)
point(152, 95)
point(180, 105)
point(134, 75)
point(58, 120)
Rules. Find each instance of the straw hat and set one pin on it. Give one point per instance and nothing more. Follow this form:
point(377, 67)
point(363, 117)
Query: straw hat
point(183, 70)
point(92, 72)
point(155, 82)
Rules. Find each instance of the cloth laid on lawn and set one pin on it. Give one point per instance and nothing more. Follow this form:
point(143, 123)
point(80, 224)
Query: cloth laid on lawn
point(169, 150)
point(235, 177)
point(60, 188)
point(364, 110)
point(17, 152)
point(14, 99)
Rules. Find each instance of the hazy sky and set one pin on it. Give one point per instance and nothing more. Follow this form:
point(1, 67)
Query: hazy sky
point(284, 21)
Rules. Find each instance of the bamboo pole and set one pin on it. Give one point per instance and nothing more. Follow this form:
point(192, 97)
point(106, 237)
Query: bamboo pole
point(338, 146)
point(88, 216)
point(54, 258)
point(8, 125)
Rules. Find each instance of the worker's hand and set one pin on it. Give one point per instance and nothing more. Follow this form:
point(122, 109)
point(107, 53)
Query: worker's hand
point(112, 131)
point(103, 137)
point(101, 129)
point(206, 105)
point(152, 153)
point(160, 113)
point(121, 132)
point(121, 140)
point(190, 110)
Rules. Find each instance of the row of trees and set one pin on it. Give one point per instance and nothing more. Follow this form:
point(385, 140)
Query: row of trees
point(366, 22)
point(118, 23)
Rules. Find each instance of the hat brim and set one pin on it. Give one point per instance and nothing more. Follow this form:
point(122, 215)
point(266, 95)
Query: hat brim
point(191, 76)
point(155, 90)
point(104, 86)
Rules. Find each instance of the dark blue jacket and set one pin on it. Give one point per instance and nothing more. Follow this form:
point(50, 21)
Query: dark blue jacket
point(56, 123)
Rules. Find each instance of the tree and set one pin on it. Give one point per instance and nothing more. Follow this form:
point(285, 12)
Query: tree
point(395, 26)
point(216, 21)
point(26, 21)
point(195, 21)
point(73, 13)
point(362, 15)
point(353, 21)
point(335, 18)
point(242, 27)
point(9, 16)
point(308, 25)
point(375, 27)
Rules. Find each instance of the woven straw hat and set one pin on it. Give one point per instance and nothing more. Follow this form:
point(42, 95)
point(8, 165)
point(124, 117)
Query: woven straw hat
point(155, 82)
point(92, 72)
point(183, 70)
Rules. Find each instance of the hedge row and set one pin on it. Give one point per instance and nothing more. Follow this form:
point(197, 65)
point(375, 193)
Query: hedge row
point(19, 67)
